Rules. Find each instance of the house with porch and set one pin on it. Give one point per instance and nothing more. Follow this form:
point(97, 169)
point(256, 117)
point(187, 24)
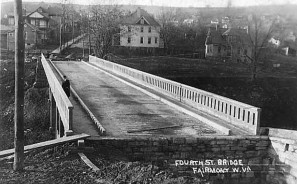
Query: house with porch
point(42, 22)
point(231, 44)
point(139, 30)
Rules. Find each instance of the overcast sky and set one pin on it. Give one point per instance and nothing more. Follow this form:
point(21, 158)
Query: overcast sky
point(175, 3)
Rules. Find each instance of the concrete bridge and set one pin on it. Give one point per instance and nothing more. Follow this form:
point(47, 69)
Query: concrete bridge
point(109, 99)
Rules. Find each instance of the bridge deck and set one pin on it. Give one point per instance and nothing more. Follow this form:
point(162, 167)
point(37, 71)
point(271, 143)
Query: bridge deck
point(121, 108)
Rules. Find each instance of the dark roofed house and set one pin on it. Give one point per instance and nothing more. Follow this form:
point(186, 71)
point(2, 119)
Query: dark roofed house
point(139, 29)
point(228, 44)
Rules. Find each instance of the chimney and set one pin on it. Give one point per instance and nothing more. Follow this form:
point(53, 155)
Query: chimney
point(138, 12)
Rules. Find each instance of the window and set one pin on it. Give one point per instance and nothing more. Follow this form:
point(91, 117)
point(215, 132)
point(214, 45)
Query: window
point(129, 29)
point(26, 35)
point(150, 29)
point(37, 22)
point(141, 21)
point(156, 40)
point(149, 40)
point(219, 49)
point(141, 29)
point(245, 51)
point(129, 39)
point(141, 39)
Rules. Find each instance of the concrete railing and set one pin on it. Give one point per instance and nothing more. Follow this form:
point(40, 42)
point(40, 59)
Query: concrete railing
point(237, 113)
point(64, 105)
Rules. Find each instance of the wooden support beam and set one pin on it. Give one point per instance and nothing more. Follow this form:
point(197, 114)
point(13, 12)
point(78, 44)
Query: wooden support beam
point(50, 143)
point(88, 162)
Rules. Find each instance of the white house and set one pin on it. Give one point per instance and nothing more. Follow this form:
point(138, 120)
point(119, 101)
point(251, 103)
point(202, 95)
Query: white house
point(275, 42)
point(139, 30)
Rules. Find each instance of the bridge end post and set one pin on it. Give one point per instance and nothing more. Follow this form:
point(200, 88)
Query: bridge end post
point(257, 121)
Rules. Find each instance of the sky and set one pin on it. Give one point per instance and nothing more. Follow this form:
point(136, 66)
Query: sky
point(174, 3)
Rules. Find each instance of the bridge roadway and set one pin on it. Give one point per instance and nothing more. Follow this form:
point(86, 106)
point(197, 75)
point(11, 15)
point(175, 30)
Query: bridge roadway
point(121, 108)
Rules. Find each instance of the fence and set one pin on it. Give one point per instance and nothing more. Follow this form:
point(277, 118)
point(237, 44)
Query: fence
point(237, 113)
point(64, 105)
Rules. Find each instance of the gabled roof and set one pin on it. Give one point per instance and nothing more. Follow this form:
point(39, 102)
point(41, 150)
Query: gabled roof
point(240, 33)
point(135, 17)
point(218, 36)
point(43, 12)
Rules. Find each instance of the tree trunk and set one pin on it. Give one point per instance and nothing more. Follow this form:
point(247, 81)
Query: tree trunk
point(19, 88)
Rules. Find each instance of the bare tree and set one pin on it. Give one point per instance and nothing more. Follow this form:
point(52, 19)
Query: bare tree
point(66, 21)
point(181, 36)
point(260, 30)
point(169, 30)
point(104, 23)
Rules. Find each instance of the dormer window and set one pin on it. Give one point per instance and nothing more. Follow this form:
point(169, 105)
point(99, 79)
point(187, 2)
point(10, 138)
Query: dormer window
point(142, 21)
point(39, 10)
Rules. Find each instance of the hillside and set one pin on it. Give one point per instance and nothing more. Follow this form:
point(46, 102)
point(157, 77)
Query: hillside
point(284, 10)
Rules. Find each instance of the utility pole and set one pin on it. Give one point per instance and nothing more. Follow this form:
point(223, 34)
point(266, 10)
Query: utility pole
point(89, 34)
point(83, 48)
point(60, 34)
point(72, 29)
point(19, 88)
